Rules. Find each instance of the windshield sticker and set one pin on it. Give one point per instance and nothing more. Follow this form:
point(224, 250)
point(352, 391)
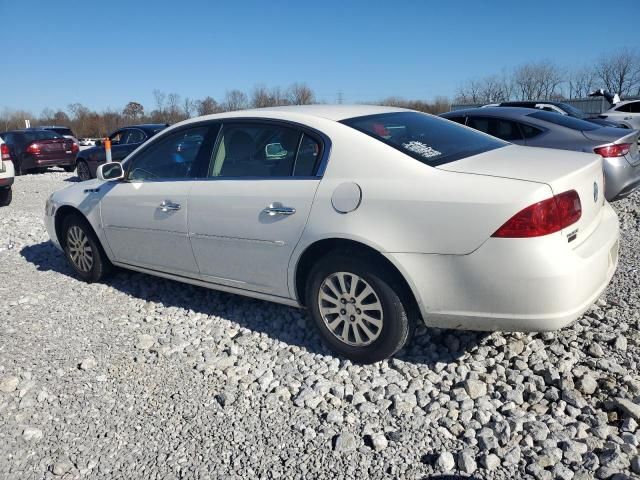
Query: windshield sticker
point(421, 149)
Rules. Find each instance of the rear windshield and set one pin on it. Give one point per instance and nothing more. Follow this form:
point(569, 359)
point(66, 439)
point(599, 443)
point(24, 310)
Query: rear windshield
point(429, 139)
point(564, 121)
point(40, 135)
point(61, 131)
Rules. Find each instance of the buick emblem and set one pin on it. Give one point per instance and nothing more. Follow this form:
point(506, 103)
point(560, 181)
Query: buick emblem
point(595, 191)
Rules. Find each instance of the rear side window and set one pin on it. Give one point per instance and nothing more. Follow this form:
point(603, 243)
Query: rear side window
point(529, 132)
point(564, 121)
point(457, 119)
point(624, 108)
point(428, 139)
point(264, 151)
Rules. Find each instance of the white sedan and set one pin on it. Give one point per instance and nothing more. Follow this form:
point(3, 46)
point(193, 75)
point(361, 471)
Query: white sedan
point(370, 217)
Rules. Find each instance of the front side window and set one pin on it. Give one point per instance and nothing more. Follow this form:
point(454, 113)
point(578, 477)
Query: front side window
point(117, 137)
point(255, 150)
point(635, 107)
point(624, 108)
point(428, 139)
point(564, 121)
point(170, 158)
point(135, 136)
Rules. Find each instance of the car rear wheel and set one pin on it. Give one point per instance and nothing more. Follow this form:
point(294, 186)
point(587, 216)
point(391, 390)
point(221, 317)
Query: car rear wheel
point(360, 307)
point(83, 170)
point(6, 195)
point(83, 250)
point(18, 170)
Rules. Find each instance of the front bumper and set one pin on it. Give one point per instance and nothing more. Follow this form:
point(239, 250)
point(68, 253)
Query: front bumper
point(533, 284)
point(50, 222)
point(621, 178)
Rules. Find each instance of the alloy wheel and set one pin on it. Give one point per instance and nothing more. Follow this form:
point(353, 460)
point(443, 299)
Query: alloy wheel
point(80, 250)
point(350, 309)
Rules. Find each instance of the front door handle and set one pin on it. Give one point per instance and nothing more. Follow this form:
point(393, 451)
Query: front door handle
point(166, 206)
point(278, 209)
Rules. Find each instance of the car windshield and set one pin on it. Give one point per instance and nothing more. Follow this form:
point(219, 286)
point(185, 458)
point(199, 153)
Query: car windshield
point(429, 139)
point(61, 131)
point(564, 121)
point(573, 111)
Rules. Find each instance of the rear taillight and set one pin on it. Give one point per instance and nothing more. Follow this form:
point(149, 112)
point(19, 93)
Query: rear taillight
point(74, 148)
point(4, 150)
point(33, 148)
point(542, 218)
point(615, 150)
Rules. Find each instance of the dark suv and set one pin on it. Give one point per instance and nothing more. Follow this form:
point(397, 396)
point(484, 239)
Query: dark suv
point(36, 149)
point(123, 142)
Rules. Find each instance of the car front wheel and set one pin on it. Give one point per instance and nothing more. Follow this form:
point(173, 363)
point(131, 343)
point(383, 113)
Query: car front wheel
point(5, 196)
point(83, 250)
point(360, 308)
point(83, 171)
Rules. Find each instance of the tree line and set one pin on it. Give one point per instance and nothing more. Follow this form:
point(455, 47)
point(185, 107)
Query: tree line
point(167, 108)
point(617, 71)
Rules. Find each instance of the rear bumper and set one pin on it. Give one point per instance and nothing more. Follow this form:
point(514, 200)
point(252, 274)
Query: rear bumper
point(34, 162)
point(7, 176)
point(515, 284)
point(621, 178)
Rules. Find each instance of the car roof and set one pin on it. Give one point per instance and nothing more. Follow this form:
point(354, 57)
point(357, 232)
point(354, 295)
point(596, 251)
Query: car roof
point(328, 112)
point(508, 112)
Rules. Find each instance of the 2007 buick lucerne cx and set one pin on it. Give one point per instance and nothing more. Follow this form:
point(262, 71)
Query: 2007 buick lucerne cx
point(370, 217)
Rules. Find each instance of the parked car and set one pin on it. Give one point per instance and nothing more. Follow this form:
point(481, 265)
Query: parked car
point(537, 128)
point(123, 142)
point(562, 108)
point(35, 149)
point(626, 113)
point(65, 132)
point(86, 142)
point(6, 174)
point(370, 216)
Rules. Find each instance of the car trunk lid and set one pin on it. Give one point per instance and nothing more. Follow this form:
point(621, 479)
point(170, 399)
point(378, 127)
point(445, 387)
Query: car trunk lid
point(560, 169)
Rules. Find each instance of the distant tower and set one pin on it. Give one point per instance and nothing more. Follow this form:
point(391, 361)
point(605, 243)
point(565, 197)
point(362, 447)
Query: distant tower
point(339, 97)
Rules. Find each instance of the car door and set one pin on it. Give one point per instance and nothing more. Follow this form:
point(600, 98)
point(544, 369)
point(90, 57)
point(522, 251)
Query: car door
point(145, 217)
point(247, 216)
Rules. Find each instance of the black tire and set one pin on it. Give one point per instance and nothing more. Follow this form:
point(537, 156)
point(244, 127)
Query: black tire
point(83, 170)
point(99, 266)
point(69, 168)
point(6, 194)
point(397, 314)
point(18, 170)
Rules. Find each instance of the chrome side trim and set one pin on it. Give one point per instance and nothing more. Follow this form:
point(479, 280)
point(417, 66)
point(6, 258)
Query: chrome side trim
point(213, 286)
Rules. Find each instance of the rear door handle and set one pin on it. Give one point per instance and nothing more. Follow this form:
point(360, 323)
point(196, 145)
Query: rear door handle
point(167, 206)
point(278, 209)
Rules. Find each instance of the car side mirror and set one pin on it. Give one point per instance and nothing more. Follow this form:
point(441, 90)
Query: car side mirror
point(110, 171)
point(98, 143)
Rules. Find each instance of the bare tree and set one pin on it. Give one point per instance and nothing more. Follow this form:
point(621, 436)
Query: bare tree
point(619, 72)
point(581, 82)
point(235, 100)
point(159, 98)
point(188, 107)
point(300, 94)
point(537, 80)
point(206, 106)
point(173, 112)
point(260, 97)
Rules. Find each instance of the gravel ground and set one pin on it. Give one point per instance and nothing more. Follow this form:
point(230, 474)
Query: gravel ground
point(141, 377)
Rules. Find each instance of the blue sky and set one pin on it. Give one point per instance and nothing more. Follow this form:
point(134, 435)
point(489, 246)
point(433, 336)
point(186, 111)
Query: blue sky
point(104, 54)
